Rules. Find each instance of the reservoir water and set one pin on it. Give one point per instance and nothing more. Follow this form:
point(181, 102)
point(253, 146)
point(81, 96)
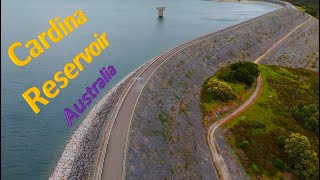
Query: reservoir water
point(32, 143)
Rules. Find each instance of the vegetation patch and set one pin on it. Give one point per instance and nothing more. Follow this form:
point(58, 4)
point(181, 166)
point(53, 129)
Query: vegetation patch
point(307, 115)
point(166, 127)
point(278, 134)
point(309, 6)
point(227, 89)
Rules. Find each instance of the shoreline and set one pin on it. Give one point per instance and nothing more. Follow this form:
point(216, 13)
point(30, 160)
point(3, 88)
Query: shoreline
point(72, 148)
point(71, 160)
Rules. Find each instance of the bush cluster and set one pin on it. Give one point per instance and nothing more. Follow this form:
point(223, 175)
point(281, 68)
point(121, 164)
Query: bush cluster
point(260, 149)
point(219, 90)
point(304, 160)
point(279, 164)
point(307, 115)
point(241, 71)
point(244, 144)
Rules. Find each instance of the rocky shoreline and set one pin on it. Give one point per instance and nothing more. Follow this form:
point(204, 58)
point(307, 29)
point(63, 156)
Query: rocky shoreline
point(78, 159)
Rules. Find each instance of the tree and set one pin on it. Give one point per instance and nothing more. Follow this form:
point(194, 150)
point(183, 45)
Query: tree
point(242, 71)
point(219, 90)
point(307, 165)
point(252, 68)
point(244, 76)
point(304, 160)
point(228, 75)
point(299, 113)
point(307, 115)
point(312, 123)
point(295, 145)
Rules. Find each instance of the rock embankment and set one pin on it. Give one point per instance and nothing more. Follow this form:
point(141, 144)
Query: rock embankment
point(300, 50)
point(79, 158)
point(166, 138)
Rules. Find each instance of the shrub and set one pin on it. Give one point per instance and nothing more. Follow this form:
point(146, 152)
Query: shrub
point(308, 165)
point(313, 122)
point(279, 164)
point(255, 169)
point(243, 75)
point(241, 71)
point(219, 90)
point(252, 68)
point(228, 76)
point(236, 65)
point(302, 113)
point(258, 124)
point(244, 144)
point(305, 161)
point(308, 115)
point(295, 145)
point(281, 140)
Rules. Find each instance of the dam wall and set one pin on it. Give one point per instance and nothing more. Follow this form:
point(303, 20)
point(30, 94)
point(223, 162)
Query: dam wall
point(300, 50)
point(166, 137)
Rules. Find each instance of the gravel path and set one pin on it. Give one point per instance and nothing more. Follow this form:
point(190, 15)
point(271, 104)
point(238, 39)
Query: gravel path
point(217, 157)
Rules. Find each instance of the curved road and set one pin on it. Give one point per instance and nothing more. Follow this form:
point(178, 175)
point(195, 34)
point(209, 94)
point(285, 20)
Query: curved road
point(111, 159)
point(214, 149)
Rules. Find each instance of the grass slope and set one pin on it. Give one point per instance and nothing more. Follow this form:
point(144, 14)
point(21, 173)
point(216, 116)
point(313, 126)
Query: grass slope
point(258, 134)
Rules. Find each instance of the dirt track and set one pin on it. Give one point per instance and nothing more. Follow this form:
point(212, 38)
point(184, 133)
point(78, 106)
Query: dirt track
point(216, 156)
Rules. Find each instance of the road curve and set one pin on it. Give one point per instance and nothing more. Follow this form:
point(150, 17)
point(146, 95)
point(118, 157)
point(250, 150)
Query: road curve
point(214, 149)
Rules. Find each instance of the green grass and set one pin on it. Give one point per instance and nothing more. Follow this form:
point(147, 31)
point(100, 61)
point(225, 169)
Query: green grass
point(301, 9)
point(165, 131)
point(270, 117)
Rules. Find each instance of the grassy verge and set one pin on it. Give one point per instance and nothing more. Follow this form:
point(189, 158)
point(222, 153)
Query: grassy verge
point(258, 134)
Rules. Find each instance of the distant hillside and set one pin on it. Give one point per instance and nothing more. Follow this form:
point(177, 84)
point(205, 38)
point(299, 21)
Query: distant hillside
point(310, 6)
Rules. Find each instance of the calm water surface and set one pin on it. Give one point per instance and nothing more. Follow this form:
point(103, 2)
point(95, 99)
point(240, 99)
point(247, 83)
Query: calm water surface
point(31, 144)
